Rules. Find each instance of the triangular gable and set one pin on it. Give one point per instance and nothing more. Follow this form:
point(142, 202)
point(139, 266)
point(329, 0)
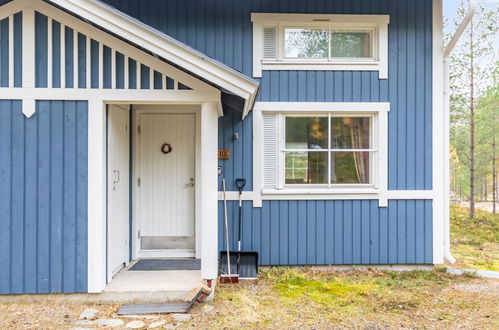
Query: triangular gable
point(165, 49)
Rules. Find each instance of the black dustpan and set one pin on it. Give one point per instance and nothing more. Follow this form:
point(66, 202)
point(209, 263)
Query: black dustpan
point(247, 268)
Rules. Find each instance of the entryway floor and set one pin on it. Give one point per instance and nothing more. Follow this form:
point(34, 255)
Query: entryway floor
point(151, 286)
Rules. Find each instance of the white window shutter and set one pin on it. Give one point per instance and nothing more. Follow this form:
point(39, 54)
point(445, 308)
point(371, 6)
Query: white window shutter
point(270, 151)
point(270, 43)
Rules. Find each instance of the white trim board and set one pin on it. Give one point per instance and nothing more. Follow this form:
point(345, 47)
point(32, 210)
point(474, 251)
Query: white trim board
point(440, 138)
point(256, 196)
point(378, 109)
point(276, 22)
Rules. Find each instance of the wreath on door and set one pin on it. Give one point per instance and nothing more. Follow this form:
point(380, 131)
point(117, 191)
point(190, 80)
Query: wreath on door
point(166, 148)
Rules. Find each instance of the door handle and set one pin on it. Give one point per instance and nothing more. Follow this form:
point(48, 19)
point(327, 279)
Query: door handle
point(191, 183)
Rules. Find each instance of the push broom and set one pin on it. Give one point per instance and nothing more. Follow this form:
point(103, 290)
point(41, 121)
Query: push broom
point(226, 277)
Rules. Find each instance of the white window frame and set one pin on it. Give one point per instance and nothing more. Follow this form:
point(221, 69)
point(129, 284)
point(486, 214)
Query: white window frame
point(376, 189)
point(376, 24)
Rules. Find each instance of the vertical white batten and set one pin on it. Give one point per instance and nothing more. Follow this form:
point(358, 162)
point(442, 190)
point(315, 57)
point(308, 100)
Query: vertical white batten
point(28, 43)
point(151, 78)
point(63, 56)
point(126, 73)
point(75, 59)
point(11, 51)
point(97, 199)
point(439, 152)
point(50, 59)
point(209, 190)
point(28, 58)
point(113, 69)
point(101, 65)
point(88, 63)
point(139, 77)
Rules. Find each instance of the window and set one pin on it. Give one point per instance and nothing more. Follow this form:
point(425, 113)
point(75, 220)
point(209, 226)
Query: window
point(321, 148)
point(320, 42)
point(327, 149)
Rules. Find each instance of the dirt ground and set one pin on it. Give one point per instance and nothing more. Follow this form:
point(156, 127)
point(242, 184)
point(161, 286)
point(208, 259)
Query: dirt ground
point(307, 298)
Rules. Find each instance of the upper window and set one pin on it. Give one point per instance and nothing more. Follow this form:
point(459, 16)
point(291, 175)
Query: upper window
point(320, 42)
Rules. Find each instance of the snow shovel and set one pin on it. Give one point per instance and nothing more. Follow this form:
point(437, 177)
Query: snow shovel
point(246, 263)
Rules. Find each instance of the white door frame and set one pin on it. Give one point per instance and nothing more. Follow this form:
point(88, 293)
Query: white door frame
point(111, 271)
point(206, 183)
point(194, 109)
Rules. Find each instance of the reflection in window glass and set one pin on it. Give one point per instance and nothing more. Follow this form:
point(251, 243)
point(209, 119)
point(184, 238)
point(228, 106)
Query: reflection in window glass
point(351, 44)
point(350, 133)
point(306, 43)
point(306, 132)
point(350, 167)
point(306, 167)
point(309, 159)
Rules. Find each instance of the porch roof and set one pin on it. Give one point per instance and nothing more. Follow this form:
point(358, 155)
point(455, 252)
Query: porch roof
point(238, 90)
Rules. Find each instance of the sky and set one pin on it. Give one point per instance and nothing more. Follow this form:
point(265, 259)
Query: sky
point(450, 8)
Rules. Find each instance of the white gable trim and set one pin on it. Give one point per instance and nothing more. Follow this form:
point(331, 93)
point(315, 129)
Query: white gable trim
point(167, 48)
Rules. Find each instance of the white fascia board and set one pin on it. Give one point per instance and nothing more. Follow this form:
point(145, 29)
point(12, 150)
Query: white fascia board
point(335, 18)
point(167, 48)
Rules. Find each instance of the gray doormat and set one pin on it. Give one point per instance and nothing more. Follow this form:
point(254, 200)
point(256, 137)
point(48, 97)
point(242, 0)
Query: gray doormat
point(167, 264)
point(173, 307)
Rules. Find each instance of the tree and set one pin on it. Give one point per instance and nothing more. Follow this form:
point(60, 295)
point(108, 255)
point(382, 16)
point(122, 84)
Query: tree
point(471, 74)
point(488, 127)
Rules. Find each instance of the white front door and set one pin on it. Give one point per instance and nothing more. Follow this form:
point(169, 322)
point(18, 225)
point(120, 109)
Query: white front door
point(118, 190)
point(166, 187)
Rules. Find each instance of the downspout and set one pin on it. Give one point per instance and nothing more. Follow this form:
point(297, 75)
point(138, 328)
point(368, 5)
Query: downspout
point(447, 51)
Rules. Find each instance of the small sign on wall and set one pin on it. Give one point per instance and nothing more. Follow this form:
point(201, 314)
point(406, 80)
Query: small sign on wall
point(224, 154)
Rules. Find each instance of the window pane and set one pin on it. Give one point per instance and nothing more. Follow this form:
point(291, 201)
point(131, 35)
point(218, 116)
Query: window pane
point(350, 167)
point(306, 167)
point(306, 132)
point(350, 133)
point(351, 44)
point(306, 43)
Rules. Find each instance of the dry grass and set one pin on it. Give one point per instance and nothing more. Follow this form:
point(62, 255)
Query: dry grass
point(475, 242)
point(294, 298)
point(46, 315)
point(308, 298)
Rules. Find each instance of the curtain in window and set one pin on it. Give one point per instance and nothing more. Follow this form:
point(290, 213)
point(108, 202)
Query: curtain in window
point(360, 139)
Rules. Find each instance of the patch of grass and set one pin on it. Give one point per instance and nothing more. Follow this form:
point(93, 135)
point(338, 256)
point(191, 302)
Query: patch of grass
point(475, 241)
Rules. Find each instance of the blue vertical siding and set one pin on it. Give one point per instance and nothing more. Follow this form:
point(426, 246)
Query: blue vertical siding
point(43, 197)
point(333, 232)
point(4, 50)
point(222, 29)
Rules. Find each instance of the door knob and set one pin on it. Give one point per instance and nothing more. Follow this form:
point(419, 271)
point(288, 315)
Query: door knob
point(191, 183)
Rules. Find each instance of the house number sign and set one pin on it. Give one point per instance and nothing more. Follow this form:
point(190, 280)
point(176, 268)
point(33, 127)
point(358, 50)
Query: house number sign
point(224, 154)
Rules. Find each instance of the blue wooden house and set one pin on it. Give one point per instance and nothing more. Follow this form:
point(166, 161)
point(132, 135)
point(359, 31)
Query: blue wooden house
point(119, 119)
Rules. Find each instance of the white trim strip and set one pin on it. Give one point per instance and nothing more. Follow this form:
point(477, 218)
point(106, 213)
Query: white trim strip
point(297, 195)
point(88, 62)
point(11, 50)
point(118, 95)
point(63, 56)
point(113, 69)
point(336, 18)
point(322, 106)
point(75, 59)
point(101, 65)
point(50, 56)
point(439, 138)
